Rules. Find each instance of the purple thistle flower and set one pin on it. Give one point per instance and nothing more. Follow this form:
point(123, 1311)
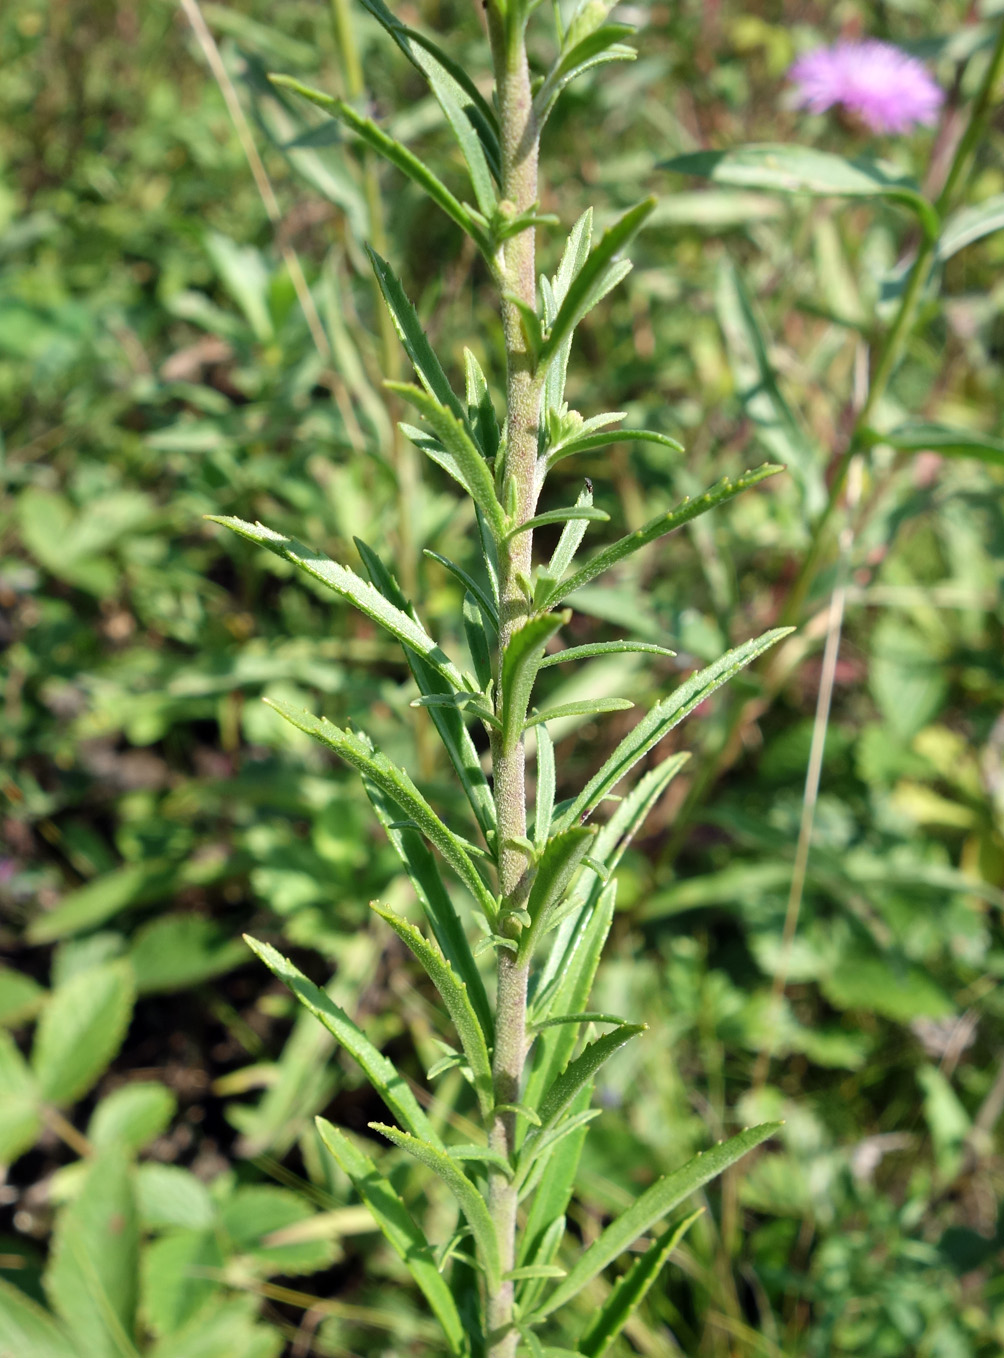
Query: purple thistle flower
point(886, 88)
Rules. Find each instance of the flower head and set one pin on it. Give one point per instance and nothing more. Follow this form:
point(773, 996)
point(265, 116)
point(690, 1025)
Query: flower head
point(886, 88)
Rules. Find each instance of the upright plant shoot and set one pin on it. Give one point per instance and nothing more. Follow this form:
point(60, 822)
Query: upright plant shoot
point(542, 883)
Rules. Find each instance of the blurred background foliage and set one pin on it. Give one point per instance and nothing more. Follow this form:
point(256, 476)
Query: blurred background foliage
point(177, 339)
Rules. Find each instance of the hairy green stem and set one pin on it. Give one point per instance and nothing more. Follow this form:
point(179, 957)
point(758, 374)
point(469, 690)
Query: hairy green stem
point(515, 269)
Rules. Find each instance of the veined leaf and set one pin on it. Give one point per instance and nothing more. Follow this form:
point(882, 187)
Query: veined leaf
point(519, 669)
point(81, 1029)
point(970, 224)
point(663, 717)
point(660, 526)
point(588, 443)
point(450, 725)
point(591, 282)
point(602, 45)
point(28, 1329)
point(573, 514)
point(453, 992)
point(602, 648)
point(938, 438)
point(650, 1208)
point(544, 798)
point(392, 1087)
point(427, 366)
point(406, 161)
point(399, 787)
point(395, 1221)
point(585, 707)
point(352, 587)
point(472, 1204)
point(758, 390)
point(471, 469)
point(562, 855)
point(802, 169)
point(573, 257)
point(481, 415)
point(629, 1291)
point(468, 114)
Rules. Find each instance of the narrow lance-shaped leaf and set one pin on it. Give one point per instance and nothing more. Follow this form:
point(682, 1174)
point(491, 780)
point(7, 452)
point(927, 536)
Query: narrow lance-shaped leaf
point(381, 1073)
point(629, 1291)
point(450, 724)
point(423, 358)
point(970, 224)
point(519, 669)
point(572, 514)
point(562, 855)
point(395, 1221)
point(398, 155)
point(758, 390)
point(480, 410)
point(471, 469)
point(546, 781)
point(595, 49)
point(663, 717)
point(573, 257)
point(589, 443)
point(938, 438)
point(453, 992)
point(580, 1072)
point(588, 284)
point(802, 169)
point(472, 1204)
point(595, 648)
point(349, 586)
point(476, 629)
point(583, 707)
point(571, 538)
point(650, 1208)
point(659, 527)
point(435, 901)
point(398, 786)
point(466, 111)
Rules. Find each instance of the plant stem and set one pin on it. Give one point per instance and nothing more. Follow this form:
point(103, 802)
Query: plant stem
point(516, 274)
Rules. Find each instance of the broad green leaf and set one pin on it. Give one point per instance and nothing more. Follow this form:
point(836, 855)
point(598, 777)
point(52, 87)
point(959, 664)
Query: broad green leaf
point(398, 786)
point(561, 857)
point(178, 952)
point(938, 438)
point(758, 390)
point(592, 280)
point(382, 1075)
point(480, 411)
point(595, 49)
point(603, 648)
point(659, 527)
point(80, 1030)
point(544, 796)
point(573, 257)
point(406, 161)
point(225, 1328)
point(579, 1073)
point(450, 725)
point(28, 1331)
point(131, 1117)
point(427, 366)
point(519, 669)
point(588, 443)
point(629, 1291)
point(802, 169)
point(244, 275)
point(472, 1204)
point(650, 1209)
point(435, 901)
point(970, 224)
point(91, 1277)
point(352, 587)
point(466, 461)
point(21, 997)
point(453, 992)
point(469, 583)
point(583, 708)
point(394, 1220)
point(264, 1225)
point(663, 717)
point(167, 1195)
point(571, 539)
point(20, 1121)
point(179, 1279)
point(468, 114)
point(571, 514)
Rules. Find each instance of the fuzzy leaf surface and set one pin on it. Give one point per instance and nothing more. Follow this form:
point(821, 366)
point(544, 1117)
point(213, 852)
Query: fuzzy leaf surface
point(395, 1221)
point(381, 1073)
point(589, 443)
point(519, 669)
point(561, 857)
point(603, 648)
